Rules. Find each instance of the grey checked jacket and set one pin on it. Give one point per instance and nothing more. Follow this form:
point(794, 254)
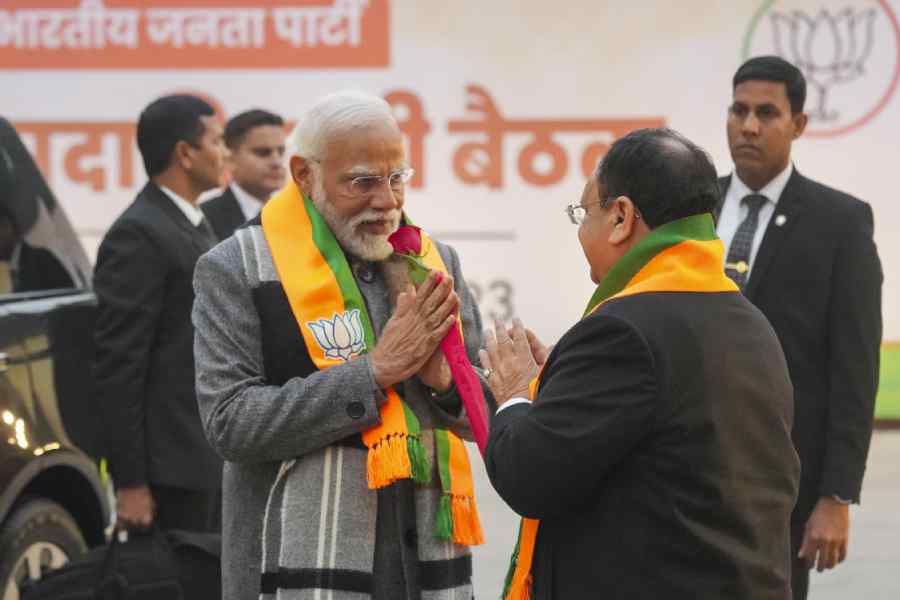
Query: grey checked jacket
point(261, 407)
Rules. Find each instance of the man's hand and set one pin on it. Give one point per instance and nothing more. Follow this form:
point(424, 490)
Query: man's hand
point(134, 507)
point(826, 535)
point(539, 351)
point(435, 373)
point(421, 320)
point(510, 359)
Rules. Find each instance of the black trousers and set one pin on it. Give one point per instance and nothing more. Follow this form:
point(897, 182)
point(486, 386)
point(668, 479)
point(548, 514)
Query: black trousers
point(191, 510)
point(799, 571)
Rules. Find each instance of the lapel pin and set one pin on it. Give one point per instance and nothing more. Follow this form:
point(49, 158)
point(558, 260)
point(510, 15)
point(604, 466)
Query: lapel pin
point(740, 266)
point(780, 220)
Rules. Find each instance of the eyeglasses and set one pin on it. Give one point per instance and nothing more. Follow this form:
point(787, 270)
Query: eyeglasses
point(367, 184)
point(578, 212)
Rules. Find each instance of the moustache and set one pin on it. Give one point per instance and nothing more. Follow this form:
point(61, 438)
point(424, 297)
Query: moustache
point(392, 216)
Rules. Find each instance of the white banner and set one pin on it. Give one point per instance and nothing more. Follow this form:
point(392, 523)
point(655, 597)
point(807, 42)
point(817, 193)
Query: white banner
point(507, 106)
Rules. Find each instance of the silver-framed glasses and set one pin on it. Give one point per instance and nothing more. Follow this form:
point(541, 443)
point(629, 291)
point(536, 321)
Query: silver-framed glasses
point(367, 184)
point(577, 211)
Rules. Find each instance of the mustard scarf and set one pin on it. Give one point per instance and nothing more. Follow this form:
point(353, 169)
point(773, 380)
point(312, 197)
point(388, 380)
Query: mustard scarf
point(335, 325)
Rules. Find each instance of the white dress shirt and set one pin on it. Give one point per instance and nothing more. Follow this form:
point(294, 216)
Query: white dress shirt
point(193, 213)
point(734, 211)
point(512, 402)
point(250, 205)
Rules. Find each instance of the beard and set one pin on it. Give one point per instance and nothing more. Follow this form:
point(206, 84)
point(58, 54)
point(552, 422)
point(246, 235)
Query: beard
point(367, 246)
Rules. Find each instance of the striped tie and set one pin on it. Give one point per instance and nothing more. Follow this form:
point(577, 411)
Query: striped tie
point(738, 262)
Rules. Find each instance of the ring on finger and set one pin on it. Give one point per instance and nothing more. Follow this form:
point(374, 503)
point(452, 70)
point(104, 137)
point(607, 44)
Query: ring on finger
point(488, 373)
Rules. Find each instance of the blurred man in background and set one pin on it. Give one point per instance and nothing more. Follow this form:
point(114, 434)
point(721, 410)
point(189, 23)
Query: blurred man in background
point(255, 159)
point(803, 253)
point(163, 468)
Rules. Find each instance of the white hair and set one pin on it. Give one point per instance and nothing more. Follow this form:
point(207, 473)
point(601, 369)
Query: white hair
point(333, 114)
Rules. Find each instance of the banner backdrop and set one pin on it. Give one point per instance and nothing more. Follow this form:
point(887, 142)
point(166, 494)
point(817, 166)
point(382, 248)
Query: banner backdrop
point(506, 105)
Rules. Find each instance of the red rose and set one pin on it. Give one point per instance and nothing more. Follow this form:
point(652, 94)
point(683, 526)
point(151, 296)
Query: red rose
point(407, 240)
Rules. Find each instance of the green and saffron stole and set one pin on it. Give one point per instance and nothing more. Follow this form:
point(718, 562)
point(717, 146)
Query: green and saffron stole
point(332, 317)
point(682, 256)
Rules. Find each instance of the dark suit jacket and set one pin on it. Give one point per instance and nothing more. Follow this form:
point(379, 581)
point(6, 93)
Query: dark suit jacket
point(224, 213)
point(144, 365)
point(657, 454)
point(817, 278)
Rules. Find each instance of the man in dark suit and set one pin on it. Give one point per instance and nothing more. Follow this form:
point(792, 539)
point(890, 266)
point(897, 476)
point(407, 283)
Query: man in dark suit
point(803, 254)
point(255, 159)
point(163, 467)
point(656, 453)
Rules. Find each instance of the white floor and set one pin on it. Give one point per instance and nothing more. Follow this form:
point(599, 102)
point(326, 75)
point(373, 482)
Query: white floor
point(872, 570)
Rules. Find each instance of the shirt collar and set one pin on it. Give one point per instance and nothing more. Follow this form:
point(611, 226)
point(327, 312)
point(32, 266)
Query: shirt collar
point(772, 190)
point(250, 205)
point(193, 214)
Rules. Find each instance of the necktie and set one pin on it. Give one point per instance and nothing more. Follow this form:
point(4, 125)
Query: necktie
point(738, 262)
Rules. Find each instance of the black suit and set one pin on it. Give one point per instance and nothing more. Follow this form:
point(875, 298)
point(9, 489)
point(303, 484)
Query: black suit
point(144, 366)
point(224, 213)
point(657, 454)
point(817, 278)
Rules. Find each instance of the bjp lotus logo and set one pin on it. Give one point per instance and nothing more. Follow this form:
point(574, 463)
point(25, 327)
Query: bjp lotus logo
point(342, 336)
point(850, 56)
point(830, 49)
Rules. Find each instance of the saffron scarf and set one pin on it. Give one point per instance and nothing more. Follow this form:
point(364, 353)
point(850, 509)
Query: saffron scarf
point(331, 314)
point(681, 256)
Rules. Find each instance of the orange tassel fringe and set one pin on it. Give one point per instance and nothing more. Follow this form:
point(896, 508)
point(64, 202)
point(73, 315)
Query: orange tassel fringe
point(388, 461)
point(466, 526)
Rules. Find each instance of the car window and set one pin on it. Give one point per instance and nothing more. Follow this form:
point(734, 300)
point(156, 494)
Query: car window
point(38, 247)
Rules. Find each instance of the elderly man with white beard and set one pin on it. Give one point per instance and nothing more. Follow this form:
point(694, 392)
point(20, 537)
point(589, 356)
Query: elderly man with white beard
point(321, 382)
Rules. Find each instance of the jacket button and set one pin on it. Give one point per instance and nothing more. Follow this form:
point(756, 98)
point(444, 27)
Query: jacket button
point(365, 272)
point(356, 410)
point(412, 538)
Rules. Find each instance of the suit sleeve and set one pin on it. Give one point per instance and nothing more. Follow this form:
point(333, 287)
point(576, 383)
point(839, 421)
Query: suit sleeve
point(854, 347)
point(596, 402)
point(246, 419)
point(129, 280)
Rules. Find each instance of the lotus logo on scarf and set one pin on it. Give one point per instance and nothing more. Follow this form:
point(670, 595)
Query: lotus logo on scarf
point(342, 336)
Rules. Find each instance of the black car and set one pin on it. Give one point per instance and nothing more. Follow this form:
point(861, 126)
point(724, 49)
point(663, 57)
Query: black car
point(53, 502)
